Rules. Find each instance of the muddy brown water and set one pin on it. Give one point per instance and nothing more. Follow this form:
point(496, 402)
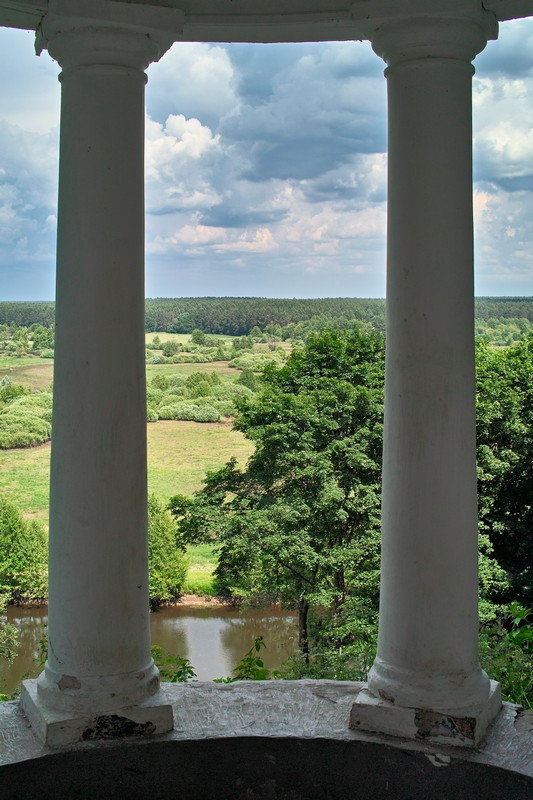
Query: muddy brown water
point(214, 639)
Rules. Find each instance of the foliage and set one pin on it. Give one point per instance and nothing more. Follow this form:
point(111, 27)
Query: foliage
point(25, 419)
point(8, 635)
point(237, 316)
point(348, 663)
point(173, 669)
point(256, 362)
point(502, 331)
point(505, 459)
point(249, 379)
point(9, 391)
point(188, 411)
point(23, 556)
point(250, 667)
point(199, 397)
point(167, 562)
point(302, 519)
point(507, 654)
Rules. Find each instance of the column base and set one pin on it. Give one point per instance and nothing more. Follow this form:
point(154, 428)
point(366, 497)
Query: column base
point(465, 727)
point(59, 728)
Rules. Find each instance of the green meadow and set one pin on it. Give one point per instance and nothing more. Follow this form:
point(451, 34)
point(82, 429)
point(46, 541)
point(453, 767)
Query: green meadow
point(179, 454)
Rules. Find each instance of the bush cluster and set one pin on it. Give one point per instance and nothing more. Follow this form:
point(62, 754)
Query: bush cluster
point(199, 397)
point(256, 362)
point(25, 419)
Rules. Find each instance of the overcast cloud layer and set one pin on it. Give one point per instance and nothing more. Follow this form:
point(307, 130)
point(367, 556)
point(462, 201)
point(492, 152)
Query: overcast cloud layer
point(266, 169)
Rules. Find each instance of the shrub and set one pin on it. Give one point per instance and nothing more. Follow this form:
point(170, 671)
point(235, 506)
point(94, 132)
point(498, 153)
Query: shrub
point(167, 562)
point(255, 361)
point(151, 415)
point(160, 382)
point(47, 353)
point(176, 380)
point(249, 379)
point(23, 430)
point(506, 652)
point(154, 396)
point(38, 404)
point(23, 556)
point(224, 407)
point(170, 348)
point(189, 411)
point(9, 391)
point(201, 389)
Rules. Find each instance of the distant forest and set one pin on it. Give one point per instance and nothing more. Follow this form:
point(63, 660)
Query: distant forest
point(238, 315)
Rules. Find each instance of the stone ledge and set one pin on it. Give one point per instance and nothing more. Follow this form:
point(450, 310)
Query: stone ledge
point(301, 710)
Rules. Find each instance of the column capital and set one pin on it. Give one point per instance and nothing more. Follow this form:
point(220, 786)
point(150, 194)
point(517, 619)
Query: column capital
point(80, 33)
point(454, 36)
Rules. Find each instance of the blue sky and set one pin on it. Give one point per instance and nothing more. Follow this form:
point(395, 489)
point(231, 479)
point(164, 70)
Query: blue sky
point(266, 169)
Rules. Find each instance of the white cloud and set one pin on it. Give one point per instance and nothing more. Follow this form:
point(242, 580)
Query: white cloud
point(194, 79)
point(266, 170)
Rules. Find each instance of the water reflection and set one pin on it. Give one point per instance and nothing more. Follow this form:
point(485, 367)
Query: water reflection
point(214, 639)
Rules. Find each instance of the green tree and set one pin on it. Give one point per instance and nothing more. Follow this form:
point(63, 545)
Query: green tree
point(166, 557)
point(198, 336)
point(23, 556)
point(302, 518)
point(505, 459)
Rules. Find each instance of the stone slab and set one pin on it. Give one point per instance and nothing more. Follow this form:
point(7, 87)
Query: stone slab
point(291, 709)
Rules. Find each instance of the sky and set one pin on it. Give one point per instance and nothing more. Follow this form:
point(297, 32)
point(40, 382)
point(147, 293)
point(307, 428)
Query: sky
point(266, 169)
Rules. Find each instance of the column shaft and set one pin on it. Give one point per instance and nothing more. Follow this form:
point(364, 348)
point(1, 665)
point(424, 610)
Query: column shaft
point(98, 588)
point(428, 621)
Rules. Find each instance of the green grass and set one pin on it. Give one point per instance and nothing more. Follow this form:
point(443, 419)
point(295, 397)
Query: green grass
point(8, 362)
point(179, 453)
point(182, 337)
point(24, 476)
point(220, 367)
point(202, 562)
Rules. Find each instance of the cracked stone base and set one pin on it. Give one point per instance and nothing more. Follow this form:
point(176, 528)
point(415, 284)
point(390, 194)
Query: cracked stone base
point(464, 727)
point(57, 729)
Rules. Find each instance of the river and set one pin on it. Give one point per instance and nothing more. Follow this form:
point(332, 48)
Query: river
point(213, 638)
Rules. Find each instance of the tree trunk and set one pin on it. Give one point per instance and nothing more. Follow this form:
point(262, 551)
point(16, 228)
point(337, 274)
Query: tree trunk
point(303, 637)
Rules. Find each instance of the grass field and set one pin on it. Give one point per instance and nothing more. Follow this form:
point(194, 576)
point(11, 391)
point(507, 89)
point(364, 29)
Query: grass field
point(35, 373)
point(179, 453)
point(182, 337)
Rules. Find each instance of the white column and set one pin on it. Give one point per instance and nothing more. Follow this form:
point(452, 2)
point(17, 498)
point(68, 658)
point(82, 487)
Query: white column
point(100, 678)
point(428, 629)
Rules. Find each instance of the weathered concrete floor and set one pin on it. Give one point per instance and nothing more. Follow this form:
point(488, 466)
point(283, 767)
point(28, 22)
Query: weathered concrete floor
point(303, 709)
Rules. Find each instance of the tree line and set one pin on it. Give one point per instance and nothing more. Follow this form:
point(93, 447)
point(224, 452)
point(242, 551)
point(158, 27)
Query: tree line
point(236, 316)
